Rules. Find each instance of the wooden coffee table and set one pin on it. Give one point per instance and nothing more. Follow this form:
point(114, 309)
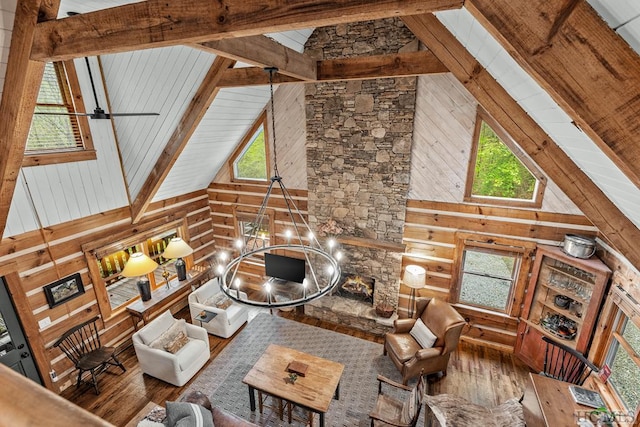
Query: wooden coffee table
point(313, 392)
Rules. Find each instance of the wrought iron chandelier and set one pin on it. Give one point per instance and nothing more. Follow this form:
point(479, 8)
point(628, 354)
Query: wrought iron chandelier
point(296, 272)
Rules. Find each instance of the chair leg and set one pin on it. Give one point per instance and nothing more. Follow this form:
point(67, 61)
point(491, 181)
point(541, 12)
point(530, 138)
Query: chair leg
point(95, 381)
point(80, 371)
point(115, 359)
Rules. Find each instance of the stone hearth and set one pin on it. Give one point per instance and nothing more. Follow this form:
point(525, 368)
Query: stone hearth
point(350, 312)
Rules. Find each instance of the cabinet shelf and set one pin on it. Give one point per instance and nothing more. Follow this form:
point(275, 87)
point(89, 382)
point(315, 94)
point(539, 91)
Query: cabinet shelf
point(566, 313)
point(570, 343)
point(565, 292)
point(586, 281)
point(572, 276)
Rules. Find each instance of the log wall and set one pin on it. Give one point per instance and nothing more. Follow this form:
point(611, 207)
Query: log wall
point(430, 235)
point(35, 259)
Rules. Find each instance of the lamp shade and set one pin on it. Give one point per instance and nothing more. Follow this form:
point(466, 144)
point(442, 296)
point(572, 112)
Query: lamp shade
point(177, 248)
point(414, 276)
point(139, 264)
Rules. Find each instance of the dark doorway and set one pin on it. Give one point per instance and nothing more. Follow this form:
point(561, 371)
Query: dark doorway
point(14, 349)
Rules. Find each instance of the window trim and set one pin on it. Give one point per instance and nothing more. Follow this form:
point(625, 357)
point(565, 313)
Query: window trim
point(616, 316)
point(71, 93)
point(520, 283)
point(536, 202)
point(242, 214)
point(246, 139)
point(119, 241)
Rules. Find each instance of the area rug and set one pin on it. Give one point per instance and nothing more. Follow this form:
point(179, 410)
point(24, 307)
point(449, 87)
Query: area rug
point(221, 380)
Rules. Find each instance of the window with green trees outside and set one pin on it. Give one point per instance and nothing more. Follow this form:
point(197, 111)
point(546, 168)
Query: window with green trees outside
point(249, 162)
point(499, 172)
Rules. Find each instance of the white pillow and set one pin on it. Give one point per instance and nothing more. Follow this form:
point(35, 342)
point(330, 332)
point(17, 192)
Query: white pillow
point(422, 334)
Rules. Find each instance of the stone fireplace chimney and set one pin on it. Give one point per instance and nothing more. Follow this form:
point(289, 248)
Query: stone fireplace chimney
point(359, 136)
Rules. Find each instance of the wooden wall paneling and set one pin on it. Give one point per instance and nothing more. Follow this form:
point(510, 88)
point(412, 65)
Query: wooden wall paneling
point(419, 233)
point(29, 324)
point(443, 128)
point(538, 231)
point(290, 135)
point(68, 241)
point(504, 212)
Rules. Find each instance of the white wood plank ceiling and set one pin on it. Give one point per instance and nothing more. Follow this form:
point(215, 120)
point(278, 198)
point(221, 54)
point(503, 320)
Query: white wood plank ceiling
point(539, 105)
point(164, 80)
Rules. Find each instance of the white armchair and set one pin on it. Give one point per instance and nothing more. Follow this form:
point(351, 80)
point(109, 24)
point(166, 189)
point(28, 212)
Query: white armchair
point(151, 343)
point(227, 321)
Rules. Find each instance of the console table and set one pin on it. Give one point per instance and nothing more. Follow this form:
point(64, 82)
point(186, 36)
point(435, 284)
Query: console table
point(143, 310)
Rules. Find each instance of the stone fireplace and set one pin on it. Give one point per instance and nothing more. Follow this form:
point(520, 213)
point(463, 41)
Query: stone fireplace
point(359, 136)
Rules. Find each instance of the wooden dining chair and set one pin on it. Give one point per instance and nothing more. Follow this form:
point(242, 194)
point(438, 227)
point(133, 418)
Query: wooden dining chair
point(565, 363)
point(81, 344)
point(395, 412)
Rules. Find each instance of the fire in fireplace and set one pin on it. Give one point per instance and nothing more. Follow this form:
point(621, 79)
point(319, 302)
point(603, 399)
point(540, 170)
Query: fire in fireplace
point(356, 287)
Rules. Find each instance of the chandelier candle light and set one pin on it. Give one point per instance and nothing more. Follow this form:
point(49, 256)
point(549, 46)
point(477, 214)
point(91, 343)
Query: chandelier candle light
point(139, 265)
point(177, 249)
point(297, 271)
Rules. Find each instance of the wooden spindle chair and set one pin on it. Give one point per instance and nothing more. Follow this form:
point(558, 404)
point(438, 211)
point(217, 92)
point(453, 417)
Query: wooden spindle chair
point(565, 363)
point(81, 344)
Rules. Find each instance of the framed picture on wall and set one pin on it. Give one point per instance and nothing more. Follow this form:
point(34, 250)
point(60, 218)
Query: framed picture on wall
point(64, 289)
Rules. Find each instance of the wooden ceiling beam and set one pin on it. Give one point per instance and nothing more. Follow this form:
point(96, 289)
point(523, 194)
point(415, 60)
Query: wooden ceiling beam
point(20, 92)
point(373, 67)
point(590, 71)
point(360, 68)
point(618, 229)
point(261, 51)
point(196, 110)
point(157, 23)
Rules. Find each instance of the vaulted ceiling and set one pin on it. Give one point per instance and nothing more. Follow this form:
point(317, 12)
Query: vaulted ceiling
point(563, 77)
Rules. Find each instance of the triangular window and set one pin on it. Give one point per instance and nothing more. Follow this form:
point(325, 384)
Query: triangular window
point(499, 172)
point(249, 162)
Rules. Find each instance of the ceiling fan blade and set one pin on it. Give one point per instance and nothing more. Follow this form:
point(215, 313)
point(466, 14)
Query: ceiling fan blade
point(51, 113)
point(134, 114)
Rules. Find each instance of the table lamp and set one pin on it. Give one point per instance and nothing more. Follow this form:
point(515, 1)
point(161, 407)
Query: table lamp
point(414, 277)
point(176, 249)
point(139, 265)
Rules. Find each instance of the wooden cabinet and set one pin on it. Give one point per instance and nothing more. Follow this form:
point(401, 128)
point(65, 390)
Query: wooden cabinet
point(563, 300)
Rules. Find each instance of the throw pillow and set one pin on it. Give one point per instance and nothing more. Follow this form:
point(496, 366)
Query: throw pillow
point(220, 301)
point(179, 341)
point(423, 334)
point(170, 334)
point(184, 414)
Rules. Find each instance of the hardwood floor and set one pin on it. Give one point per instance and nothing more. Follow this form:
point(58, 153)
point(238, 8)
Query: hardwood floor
point(482, 375)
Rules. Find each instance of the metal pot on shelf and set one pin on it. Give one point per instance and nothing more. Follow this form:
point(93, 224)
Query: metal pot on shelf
point(562, 301)
point(579, 246)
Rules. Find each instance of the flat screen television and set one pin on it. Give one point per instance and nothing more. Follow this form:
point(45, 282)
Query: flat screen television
point(284, 267)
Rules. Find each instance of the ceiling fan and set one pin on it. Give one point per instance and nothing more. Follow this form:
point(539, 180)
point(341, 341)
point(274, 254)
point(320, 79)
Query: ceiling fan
point(98, 113)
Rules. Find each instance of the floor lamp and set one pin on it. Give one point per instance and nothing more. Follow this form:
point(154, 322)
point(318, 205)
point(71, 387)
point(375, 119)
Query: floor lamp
point(414, 277)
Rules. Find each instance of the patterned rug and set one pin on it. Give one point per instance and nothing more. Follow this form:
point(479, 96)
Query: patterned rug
point(221, 380)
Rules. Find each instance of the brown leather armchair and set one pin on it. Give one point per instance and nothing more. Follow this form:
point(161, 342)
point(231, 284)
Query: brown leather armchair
point(405, 352)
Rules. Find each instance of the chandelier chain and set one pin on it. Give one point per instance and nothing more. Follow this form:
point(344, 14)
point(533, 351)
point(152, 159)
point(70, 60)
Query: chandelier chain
point(273, 123)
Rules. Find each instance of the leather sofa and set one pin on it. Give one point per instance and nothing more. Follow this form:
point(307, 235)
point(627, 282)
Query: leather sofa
point(409, 356)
